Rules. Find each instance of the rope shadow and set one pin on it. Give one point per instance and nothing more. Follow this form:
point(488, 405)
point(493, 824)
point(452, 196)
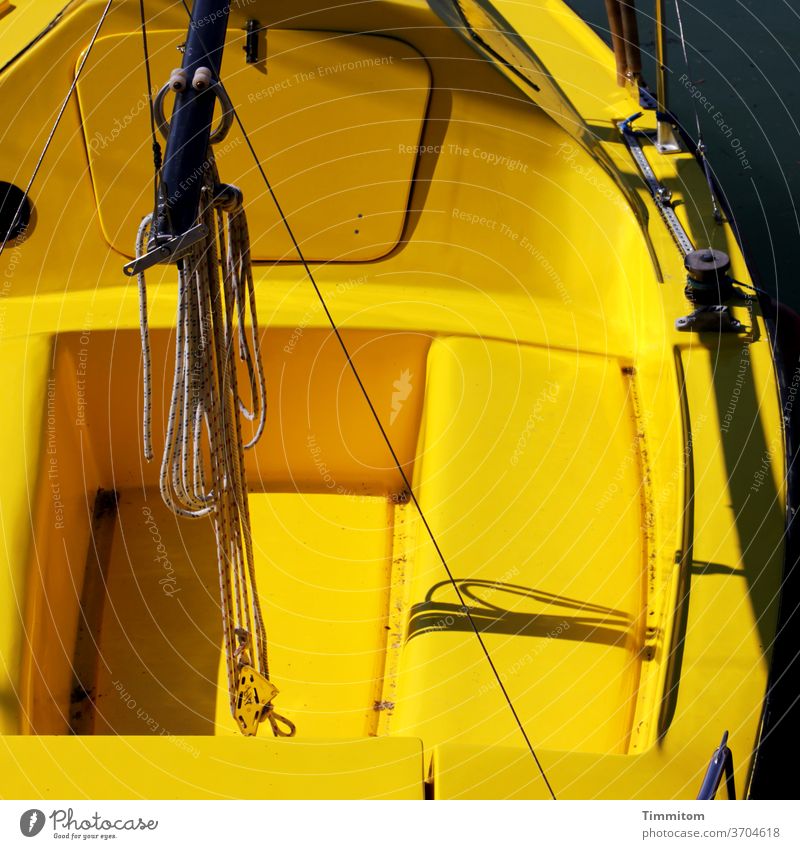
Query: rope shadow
point(587, 623)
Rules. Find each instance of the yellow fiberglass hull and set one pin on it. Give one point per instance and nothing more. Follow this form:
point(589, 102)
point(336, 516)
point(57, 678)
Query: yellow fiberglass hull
point(607, 490)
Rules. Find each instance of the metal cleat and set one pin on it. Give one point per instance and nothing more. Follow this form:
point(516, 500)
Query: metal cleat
point(713, 318)
point(168, 251)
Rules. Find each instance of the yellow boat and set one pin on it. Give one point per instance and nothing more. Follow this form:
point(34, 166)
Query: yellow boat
point(519, 510)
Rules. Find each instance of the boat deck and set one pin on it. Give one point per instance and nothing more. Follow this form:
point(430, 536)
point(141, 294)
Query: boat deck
point(605, 489)
point(367, 636)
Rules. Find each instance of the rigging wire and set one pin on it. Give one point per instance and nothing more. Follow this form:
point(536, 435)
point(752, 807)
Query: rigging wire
point(398, 464)
point(50, 137)
point(157, 159)
point(701, 147)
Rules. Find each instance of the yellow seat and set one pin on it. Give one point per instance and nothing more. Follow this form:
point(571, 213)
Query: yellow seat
point(541, 525)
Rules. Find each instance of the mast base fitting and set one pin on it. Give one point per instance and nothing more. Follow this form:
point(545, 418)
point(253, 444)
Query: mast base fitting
point(707, 280)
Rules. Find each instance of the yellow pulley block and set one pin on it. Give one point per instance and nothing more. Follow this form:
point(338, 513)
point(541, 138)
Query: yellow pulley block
point(254, 695)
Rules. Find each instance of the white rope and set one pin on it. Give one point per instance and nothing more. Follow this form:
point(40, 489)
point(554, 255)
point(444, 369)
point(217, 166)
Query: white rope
point(144, 329)
point(202, 467)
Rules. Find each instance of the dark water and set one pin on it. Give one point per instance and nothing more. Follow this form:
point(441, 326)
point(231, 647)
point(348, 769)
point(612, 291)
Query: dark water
point(744, 58)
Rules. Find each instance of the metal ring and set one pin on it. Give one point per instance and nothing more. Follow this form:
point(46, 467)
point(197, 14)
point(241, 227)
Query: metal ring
point(218, 133)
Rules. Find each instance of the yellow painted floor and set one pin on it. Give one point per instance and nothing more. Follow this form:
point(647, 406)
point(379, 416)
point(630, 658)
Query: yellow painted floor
point(323, 566)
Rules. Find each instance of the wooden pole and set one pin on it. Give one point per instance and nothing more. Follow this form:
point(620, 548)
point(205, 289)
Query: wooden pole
point(617, 40)
point(630, 35)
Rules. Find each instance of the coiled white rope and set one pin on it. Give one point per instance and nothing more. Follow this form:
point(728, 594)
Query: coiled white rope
point(202, 467)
